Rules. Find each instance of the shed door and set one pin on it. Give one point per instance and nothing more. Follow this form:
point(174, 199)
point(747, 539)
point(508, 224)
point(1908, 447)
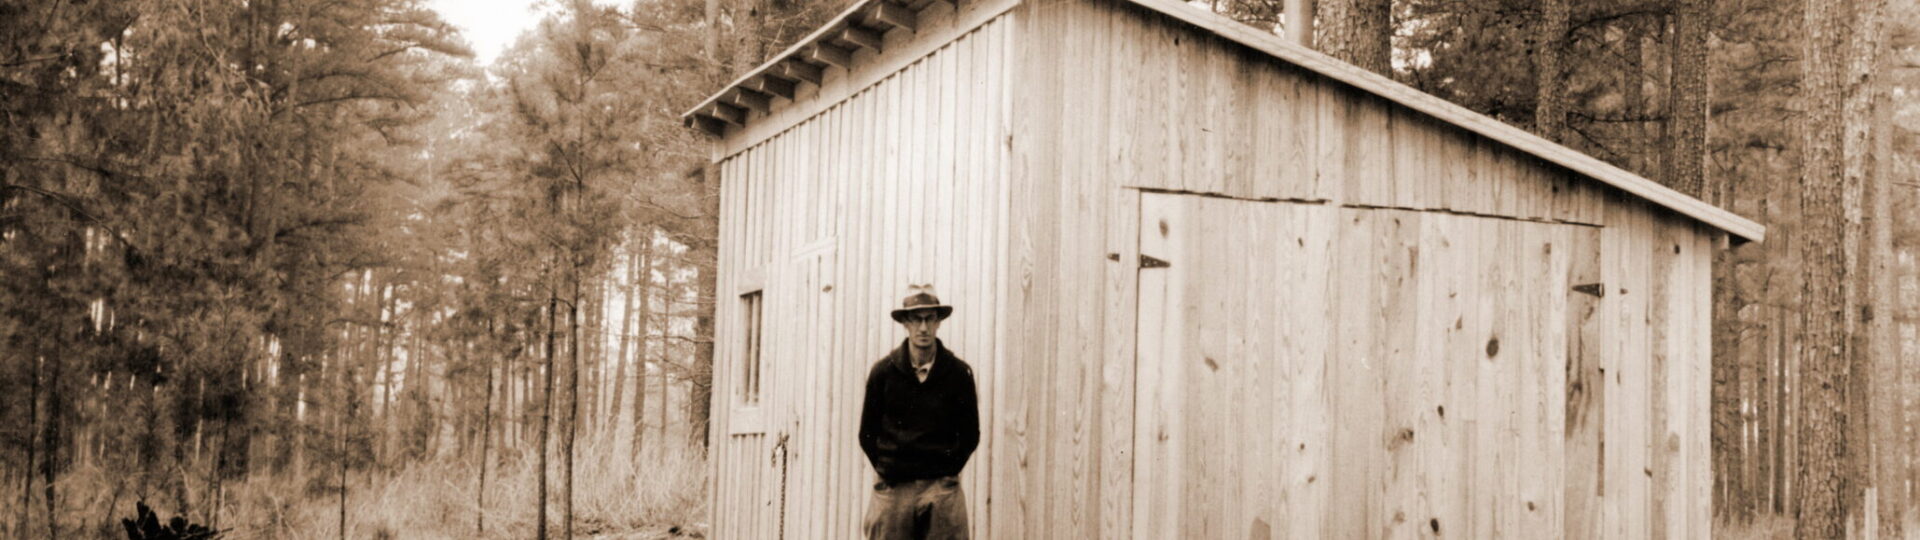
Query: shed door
point(1312, 371)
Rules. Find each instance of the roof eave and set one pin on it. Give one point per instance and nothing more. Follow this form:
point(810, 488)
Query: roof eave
point(1739, 227)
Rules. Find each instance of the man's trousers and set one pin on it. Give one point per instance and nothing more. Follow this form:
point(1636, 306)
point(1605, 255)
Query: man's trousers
point(932, 509)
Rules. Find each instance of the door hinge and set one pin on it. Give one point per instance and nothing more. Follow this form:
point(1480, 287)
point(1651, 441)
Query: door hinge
point(1598, 290)
point(1150, 262)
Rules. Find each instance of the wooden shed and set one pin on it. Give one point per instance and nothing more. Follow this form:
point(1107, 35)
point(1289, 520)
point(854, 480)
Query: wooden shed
point(1212, 284)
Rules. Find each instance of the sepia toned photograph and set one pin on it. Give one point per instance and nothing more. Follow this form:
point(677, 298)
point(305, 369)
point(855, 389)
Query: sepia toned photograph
point(959, 269)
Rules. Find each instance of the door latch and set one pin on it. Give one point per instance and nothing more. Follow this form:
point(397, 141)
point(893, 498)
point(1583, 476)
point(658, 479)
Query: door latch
point(1150, 262)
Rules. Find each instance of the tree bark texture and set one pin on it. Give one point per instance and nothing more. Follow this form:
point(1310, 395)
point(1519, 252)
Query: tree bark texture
point(1549, 68)
point(643, 281)
point(707, 260)
point(546, 416)
point(1874, 366)
point(1828, 499)
point(1359, 32)
point(573, 404)
point(1687, 98)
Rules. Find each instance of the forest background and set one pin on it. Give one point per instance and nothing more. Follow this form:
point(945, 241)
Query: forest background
point(303, 268)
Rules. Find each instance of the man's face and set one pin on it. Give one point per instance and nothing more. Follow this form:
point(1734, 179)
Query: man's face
point(921, 328)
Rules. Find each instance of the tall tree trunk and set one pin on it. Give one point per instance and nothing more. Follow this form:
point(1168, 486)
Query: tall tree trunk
point(1827, 501)
point(50, 439)
point(643, 263)
point(546, 415)
point(711, 44)
point(1634, 98)
point(706, 262)
point(1687, 95)
point(344, 421)
point(573, 400)
point(26, 467)
point(625, 347)
point(1550, 74)
point(1359, 32)
point(1869, 235)
point(486, 440)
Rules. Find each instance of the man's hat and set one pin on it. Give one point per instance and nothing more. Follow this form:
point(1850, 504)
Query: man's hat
point(921, 298)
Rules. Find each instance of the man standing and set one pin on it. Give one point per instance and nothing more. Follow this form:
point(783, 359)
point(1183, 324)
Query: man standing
point(918, 426)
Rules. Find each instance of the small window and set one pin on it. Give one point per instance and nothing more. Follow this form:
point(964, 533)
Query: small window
point(750, 353)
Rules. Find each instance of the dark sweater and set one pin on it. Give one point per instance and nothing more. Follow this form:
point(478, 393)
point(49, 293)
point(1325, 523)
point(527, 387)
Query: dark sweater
point(912, 430)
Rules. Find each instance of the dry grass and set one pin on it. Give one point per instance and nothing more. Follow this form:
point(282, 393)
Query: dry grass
point(1762, 527)
point(614, 496)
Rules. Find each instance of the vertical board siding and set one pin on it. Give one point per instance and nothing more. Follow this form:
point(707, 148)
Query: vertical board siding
point(896, 185)
point(1424, 352)
point(1465, 391)
point(1598, 437)
point(1263, 129)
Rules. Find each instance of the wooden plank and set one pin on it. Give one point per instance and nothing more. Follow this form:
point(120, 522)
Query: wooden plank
point(1074, 439)
point(1585, 395)
point(839, 388)
point(1684, 382)
point(1390, 90)
point(1330, 157)
point(1157, 410)
point(1114, 504)
point(1283, 136)
point(1457, 310)
point(1407, 374)
point(971, 174)
point(1243, 95)
point(1664, 518)
point(1628, 471)
point(1021, 482)
point(1354, 372)
point(1148, 126)
point(1409, 141)
point(873, 298)
point(970, 219)
point(999, 169)
point(1203, 141)
point(1545, 500)
point(1309, 436)
point(1699, 441)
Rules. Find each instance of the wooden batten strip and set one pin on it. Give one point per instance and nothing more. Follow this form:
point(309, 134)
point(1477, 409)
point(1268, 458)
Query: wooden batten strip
point(802, 71)
point(768, 84)
point(749, 99)
point(863, 37)
point(896, 15)
point(823, 52)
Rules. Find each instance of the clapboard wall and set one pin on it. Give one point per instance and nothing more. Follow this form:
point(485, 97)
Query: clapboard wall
point(889, 175)
point(1116, 102)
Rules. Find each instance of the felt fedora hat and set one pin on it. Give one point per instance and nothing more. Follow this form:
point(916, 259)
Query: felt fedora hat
point(921, 298)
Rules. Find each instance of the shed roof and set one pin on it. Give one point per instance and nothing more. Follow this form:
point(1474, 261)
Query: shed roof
point(859, 24)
